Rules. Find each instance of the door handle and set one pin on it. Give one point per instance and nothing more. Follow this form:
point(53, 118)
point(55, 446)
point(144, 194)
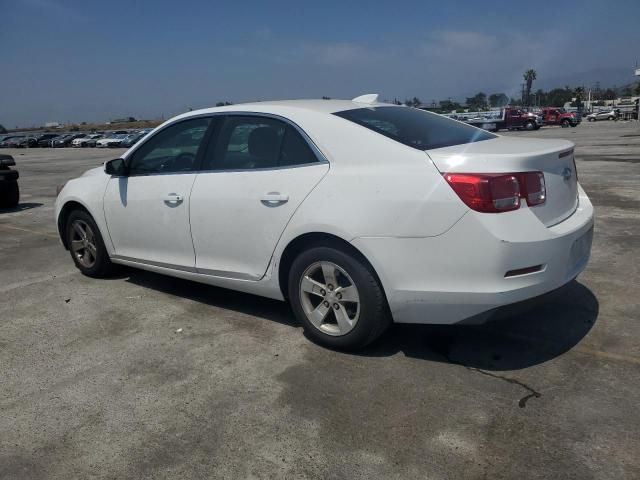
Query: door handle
point(273, 199)
point(173, 198)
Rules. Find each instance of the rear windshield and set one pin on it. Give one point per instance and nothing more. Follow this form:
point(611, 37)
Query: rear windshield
point(415, 128)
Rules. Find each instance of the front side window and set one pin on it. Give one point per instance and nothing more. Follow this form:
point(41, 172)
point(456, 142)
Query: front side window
point(416, 128)
point(252, 142)
point(172, 150)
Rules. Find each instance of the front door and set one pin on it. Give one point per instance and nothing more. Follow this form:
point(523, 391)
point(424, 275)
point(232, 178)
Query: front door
point(147, 211)
point(259, 171)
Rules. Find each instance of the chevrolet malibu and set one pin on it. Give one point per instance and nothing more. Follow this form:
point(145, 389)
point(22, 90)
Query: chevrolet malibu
point(358, 213)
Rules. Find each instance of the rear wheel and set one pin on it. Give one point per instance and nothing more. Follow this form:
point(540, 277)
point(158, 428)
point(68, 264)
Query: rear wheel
point(9, 194)
point(86, 245)
point(337, 298)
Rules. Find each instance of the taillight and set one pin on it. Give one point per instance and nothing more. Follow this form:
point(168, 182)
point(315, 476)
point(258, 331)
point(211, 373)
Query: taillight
point(534, 188)
point(498, 192)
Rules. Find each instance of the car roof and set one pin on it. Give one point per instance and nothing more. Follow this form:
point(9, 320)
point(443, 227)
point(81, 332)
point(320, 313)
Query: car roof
point(282, 106)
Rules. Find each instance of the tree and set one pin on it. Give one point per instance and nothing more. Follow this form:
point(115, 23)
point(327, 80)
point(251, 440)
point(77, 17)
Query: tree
point(579, 95)
point(559, 96)
point(2, 129)
point(529, 76)
point(635, 91)
point(498, 100)
point(448, 105)
point(477, 102)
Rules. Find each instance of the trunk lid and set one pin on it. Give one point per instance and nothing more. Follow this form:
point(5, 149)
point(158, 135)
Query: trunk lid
point(552, 157)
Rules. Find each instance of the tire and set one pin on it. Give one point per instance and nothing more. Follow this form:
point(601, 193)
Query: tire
point(367, 318)
point(101, 265)
point(611, 118)
point(9, 194)
point(592, 119)
point(530, 126)
point(565, 124)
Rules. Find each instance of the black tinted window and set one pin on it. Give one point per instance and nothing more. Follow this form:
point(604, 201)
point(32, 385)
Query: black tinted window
point(246, 142)
point(415, 128)
point(174, 149)
point(295, 149)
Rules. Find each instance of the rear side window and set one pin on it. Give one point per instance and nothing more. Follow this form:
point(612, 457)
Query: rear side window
point(249, 143)
point(415, 128)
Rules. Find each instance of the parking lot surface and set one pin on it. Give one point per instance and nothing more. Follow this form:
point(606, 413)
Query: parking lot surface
point(98, 381)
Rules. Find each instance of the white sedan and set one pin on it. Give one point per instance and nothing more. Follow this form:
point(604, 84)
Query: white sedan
point(110, 140)
point(86, 141)
point(358, 213)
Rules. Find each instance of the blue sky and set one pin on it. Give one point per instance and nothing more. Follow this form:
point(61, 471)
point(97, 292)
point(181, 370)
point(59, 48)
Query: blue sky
point(66, 60)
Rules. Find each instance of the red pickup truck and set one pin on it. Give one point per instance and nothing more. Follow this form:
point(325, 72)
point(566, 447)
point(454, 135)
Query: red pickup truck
point(559, 116)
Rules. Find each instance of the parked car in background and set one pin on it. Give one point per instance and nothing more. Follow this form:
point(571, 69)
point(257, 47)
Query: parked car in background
point(9, 191)
point(110, 140)
point(10, 140)
point(358, 213)
point(86, 141)
point(65, 141)
point(47, 140)
point(559, 116)
point(508, 118)
point(131, 139)
point(43, 139)
point(18, 142)
point(604, 115)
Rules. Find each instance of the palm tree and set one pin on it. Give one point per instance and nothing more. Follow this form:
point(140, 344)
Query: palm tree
point(529, 76)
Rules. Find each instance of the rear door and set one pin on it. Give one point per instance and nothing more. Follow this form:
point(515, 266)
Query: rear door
point(257, 172)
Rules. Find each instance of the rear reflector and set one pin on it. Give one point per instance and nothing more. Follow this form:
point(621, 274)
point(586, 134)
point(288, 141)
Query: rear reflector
point(498, 192)
point(523, 271)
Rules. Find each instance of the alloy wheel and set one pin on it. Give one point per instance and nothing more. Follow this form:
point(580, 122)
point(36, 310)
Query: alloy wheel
point(329, 298)
point(83, 243)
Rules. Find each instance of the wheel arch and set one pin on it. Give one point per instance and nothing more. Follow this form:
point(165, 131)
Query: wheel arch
point(311, 239)
point(63, 216)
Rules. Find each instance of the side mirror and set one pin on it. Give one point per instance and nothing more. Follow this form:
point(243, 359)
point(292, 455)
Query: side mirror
point(116, 167)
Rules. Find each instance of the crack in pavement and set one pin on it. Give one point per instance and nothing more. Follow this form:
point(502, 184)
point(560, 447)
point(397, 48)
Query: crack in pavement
point(522, 403)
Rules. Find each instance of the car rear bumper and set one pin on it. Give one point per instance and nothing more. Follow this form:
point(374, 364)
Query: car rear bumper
point(472, 269)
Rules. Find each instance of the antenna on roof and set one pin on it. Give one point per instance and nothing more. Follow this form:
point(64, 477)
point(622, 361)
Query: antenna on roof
point(368, 98)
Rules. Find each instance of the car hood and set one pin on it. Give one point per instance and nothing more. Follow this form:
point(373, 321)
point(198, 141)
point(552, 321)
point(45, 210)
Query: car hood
point(93, 172)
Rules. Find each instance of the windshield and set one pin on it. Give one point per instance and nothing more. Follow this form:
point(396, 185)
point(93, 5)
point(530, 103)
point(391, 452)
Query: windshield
point(415, 128)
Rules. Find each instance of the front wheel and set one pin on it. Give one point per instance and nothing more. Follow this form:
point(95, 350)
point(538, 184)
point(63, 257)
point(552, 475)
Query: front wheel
point(565, 124)
point(337, 298)
point(86, 245)
point(530, 126)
